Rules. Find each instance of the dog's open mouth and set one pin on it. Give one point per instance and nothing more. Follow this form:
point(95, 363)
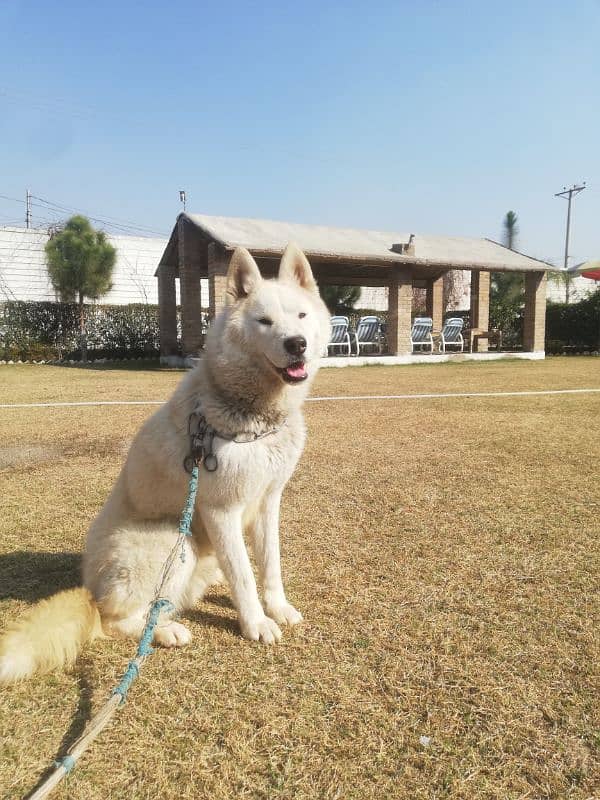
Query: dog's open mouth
point(293, 373)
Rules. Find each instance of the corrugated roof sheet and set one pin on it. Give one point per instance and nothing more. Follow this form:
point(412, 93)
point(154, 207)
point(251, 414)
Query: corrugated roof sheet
point(264, 236)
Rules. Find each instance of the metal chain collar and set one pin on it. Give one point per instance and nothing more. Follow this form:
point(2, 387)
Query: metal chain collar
point(202, 435)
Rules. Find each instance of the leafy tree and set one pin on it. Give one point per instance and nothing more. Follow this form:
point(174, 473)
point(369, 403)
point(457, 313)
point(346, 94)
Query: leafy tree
point(80, 263)
point(340, 299)
point(510, 230)
point(507, 299)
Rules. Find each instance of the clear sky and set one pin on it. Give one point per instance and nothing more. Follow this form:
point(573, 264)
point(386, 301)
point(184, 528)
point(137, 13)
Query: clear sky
point(426, 117)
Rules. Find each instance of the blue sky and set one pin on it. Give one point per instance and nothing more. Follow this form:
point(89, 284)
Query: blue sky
point(427, 117)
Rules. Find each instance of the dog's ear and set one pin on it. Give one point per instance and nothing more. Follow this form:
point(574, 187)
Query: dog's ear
point(295, 268)
point(243, 275)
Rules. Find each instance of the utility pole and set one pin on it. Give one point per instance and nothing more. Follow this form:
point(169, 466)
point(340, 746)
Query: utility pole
point(569, 194)
point(28, 210)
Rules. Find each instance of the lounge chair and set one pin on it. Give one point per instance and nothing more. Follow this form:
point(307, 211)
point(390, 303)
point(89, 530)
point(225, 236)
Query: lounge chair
point(340, 336)
point(420, 335)
point(451, 335)
point(368, 334)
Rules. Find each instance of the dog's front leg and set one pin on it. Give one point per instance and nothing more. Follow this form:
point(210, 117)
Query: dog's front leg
point(224, 529)
point(266, 551)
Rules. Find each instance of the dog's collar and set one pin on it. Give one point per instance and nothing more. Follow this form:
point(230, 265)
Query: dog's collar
point(202, 435)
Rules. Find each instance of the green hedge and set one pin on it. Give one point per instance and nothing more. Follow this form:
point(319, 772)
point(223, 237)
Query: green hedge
point(30, 330)
point(574, 326)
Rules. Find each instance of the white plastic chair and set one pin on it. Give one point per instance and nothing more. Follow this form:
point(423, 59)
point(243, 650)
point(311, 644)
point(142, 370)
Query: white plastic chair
point(340, 335)
point(420, 335)
point(368, 334)
point(451, 335)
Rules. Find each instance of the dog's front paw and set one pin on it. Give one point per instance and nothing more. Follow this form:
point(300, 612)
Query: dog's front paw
point(284, 614)
point(278, 608)
point(173, 634)
point(263, 630)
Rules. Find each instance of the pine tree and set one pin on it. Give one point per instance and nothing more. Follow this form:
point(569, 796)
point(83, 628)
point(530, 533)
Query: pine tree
point(80, 263)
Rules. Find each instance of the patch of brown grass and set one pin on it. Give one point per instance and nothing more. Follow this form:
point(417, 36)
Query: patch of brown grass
point(444, 554)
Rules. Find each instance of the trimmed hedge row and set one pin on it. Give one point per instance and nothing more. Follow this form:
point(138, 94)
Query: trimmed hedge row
point(44, 330)
point(574, 326)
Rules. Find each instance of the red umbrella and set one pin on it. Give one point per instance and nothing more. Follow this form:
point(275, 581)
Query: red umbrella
point(592, 274)
point(590, 269)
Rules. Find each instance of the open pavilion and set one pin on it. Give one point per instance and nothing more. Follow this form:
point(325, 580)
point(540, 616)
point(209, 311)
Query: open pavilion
point(201, 246)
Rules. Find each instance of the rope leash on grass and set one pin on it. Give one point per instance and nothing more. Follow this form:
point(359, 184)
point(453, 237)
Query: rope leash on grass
point(100, 720)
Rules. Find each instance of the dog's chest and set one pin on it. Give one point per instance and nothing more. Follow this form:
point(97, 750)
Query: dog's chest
point(246, 470)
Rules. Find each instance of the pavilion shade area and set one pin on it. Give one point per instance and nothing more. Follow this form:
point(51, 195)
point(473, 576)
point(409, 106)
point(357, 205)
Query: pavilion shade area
point(201, 246)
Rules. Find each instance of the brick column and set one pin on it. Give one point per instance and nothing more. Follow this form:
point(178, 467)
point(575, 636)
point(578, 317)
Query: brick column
point(399, 311)
point(480, 305)
point(167, 310)
point(189, 285)
point(218, 264)
point(534, 330)
point(435, 302)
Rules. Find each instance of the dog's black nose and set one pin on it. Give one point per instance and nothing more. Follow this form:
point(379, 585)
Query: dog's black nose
point(295, 345)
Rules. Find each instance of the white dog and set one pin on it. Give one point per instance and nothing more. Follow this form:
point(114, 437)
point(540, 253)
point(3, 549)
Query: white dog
point(243, 405)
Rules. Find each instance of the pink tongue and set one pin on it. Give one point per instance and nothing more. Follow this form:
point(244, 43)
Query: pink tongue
point(296, 371)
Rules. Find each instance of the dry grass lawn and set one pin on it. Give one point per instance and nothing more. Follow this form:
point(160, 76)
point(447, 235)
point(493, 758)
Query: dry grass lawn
point(444, 554)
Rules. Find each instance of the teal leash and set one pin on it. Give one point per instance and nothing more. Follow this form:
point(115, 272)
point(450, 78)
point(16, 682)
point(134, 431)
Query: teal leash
point(144, 649)
point(161, 603)
point(63, 766)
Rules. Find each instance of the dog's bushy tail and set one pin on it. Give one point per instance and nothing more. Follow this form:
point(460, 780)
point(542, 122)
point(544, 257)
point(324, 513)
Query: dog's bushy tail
point(49, 635)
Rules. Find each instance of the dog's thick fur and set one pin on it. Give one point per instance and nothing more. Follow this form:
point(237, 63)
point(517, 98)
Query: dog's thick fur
point(261, 354)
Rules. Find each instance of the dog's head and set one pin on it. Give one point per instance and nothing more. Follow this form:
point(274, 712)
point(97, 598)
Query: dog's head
point(282, 324)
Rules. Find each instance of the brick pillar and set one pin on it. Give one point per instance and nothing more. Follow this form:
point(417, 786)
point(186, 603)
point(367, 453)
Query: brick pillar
point(534, 330)
point(218, 264)
point(167, 310)
point(399, 311)
point(189, 284)
point(480, 306)
point(435, 302)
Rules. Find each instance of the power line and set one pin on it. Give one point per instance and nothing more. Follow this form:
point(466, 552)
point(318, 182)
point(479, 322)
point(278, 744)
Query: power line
point(123, 226)
point(104, 219)
point(11, 199)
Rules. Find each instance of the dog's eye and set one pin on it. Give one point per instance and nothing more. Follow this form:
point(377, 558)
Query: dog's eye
point(265, 321)
point(301, 315)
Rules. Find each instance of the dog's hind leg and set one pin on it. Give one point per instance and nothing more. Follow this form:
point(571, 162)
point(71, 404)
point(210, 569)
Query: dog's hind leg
point(124, 574)
point(167, 633)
